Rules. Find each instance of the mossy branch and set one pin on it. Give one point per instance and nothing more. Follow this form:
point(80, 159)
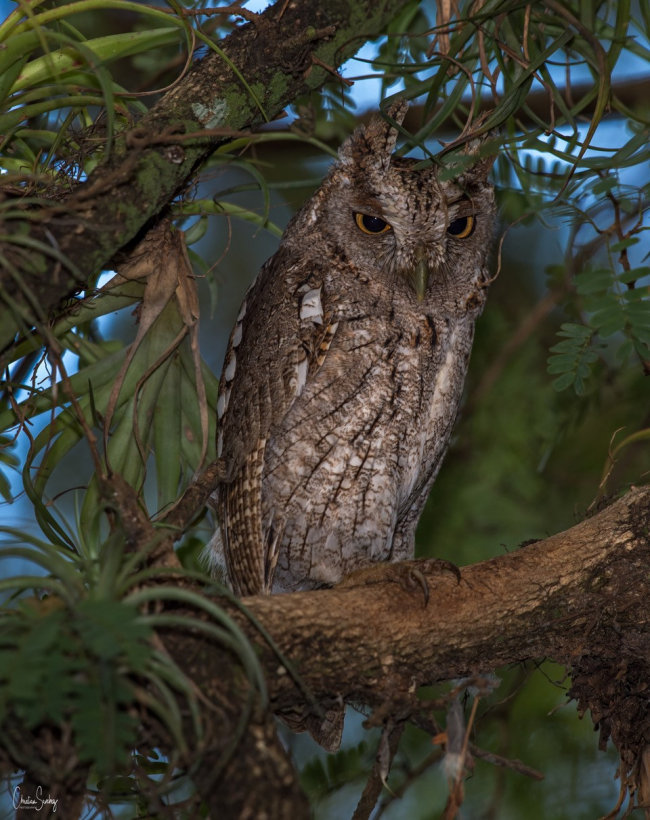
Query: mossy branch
point(53, 248)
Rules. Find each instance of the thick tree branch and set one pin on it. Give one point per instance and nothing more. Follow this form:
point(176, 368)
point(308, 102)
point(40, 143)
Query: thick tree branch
point(261, 68)
point(579, 597)
point(554, 598)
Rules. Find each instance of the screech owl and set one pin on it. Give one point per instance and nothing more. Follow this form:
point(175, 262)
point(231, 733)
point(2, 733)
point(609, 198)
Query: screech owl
point(345, 368)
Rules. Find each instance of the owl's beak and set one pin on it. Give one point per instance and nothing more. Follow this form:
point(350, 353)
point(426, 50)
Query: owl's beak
point(420, 273)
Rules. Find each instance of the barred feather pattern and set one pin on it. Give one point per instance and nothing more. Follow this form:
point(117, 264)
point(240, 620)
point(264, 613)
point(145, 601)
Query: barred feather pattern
point(345, 368)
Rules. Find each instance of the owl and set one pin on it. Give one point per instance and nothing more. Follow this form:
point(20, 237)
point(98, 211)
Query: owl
point(345, 367)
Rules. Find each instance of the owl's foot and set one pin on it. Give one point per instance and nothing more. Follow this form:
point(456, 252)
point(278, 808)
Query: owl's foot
point(440, 565)
point(413, 579)
point(408, 575)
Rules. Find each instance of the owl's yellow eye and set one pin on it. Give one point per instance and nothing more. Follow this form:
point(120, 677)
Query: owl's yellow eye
point(371, 224)
point(462, 227)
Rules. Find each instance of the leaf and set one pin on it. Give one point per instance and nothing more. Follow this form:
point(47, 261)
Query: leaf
point(102, 49)
point(608, 320)
point(574, 331)
point(197, 230)
point(167, 433)
point(104, 733)
point(634, 274)
point(113, 629)
point(594, 281)
point(5, 489)
point(624, 243)
point(603, 186)
point(564, 381)
point(625, 350)
point(561, 364)
point(642, 333)
point(572, 358)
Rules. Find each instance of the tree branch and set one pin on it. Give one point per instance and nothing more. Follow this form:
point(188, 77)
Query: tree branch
point(579, 598)
point(552, 598)
point(259, 69)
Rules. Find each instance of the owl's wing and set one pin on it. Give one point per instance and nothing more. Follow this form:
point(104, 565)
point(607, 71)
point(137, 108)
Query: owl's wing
point(283, 332)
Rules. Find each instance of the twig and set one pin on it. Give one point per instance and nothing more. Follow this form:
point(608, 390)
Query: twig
point(385, 754)
point(317, 61)
point(498, 760)
point(430, 760)
point(194, 497)
point(232, 11)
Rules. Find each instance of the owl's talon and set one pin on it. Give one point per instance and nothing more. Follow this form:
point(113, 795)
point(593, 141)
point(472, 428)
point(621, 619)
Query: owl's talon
point(446, 566)
point(413, 580)
point(409, 577)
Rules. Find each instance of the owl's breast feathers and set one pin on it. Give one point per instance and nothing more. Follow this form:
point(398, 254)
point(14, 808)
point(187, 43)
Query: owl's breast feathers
point(334, 413)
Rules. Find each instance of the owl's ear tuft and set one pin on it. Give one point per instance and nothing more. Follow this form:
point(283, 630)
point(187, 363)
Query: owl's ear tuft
point(482, 155)
point(479, 153)
point(470, 165)
point(375, 141)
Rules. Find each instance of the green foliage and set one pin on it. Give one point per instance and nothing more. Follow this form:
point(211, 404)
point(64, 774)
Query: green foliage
point(572, 358)
point(64, 664)
point(78, 650)
point(106, 393)
point(95, 389)
point(8, 460)
point(321, 777)
point(49, 68)
point(612, 298)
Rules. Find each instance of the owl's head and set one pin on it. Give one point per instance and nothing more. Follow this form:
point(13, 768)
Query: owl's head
point(425, 236)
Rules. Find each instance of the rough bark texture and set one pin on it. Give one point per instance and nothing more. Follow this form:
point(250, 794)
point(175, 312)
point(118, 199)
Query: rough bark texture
point(263, 67)
point(579, 598)
point(587, 587)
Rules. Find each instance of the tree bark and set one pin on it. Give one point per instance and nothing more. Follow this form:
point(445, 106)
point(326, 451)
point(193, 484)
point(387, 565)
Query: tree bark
point(55, 248)
point(579, 598)
point(587, 587)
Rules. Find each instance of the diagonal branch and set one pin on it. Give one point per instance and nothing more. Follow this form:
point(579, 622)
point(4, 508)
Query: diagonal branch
point(579, 597)
point(259, 69)
point(552, 598)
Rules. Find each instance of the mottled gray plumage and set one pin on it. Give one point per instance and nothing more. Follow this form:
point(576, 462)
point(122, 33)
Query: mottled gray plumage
point(345, 368)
